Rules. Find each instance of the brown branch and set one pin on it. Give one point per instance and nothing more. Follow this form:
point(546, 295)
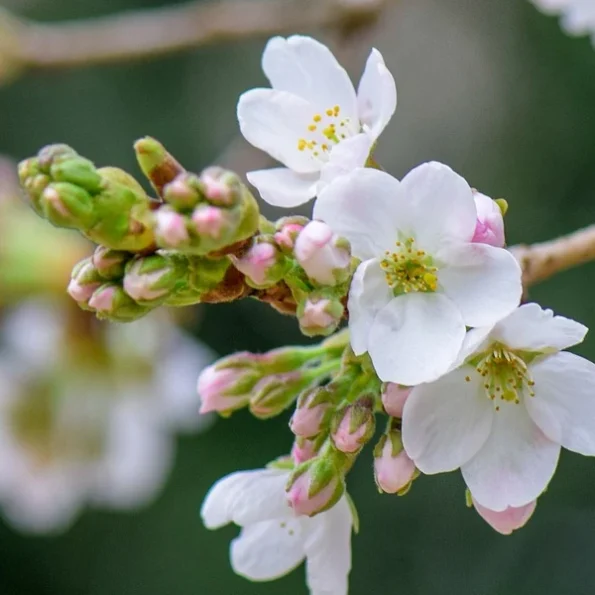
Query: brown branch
point(544, 260)
point(148, 33)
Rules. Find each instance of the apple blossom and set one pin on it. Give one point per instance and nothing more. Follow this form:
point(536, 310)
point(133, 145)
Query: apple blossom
point(504, 413)
point(422, 280)
point(312, 118)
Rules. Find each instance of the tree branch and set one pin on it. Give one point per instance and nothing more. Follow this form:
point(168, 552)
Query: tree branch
point(544, 260)
point(148, 33)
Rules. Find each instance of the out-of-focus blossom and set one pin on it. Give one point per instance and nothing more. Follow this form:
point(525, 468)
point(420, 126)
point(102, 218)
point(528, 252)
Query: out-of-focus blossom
point(577, 17)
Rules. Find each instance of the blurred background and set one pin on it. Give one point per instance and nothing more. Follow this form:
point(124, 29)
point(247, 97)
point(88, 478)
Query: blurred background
point(99, 490)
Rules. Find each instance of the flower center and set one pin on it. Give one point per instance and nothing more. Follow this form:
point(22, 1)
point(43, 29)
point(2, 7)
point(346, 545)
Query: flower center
point(325, 130)
point(409, 269)
point(506, 375)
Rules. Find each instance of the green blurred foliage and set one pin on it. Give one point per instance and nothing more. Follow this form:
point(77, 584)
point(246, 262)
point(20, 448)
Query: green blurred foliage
point(495, 90)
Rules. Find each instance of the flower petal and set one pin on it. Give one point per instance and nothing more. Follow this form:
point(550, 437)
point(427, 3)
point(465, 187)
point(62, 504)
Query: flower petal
point(515, 464)
point(564, 402)
point(506, 521)
point(368, 294)
point(532, 328)
point(282, 187)
point(268, 550)
point(246, 497)
point(445, 423)
point(366, 207)
point(416, 338)
point(328, 550)
point(484, 282)
point(442, 206)
point(348, 155)
point(376, 95)
point(274, 121)
point(307, 68)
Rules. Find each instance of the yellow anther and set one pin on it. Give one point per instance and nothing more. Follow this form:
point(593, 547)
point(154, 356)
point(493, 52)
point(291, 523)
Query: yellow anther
point(302, 144)
point(312, 127)
point(336, 110)
point(329, 112)
point(431, 280)
point(317, 118)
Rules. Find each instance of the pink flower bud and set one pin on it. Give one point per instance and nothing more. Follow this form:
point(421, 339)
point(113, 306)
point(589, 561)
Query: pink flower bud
point(394, 397)
point(262, 264)
point(324, 256)
point(354, 426)
point(311, 410)
point(506, 521)
point(81, 293)
point(209, 221)
point(143, 286)
point(393, 469)
point(288, 230)
point(220, 389)
point(489, 228)
point(216, 188)
point(320, 316)
point(85, 280)
point(110, 263)
point(170, 228)
point(303, 450)
point(103, 300)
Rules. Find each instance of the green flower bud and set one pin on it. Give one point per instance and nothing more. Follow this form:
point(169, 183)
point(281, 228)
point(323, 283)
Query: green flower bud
point(78, 171)
point(66, 205)
point(156, 163)
point(110, 263)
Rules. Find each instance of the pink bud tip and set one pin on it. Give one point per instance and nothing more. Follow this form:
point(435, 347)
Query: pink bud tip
point(52, 196)
point(285, 237)
point(255, 264)
point(346, 441)
point(393, 473)
point(208, 221)
point(81, 293)
point(394, 397)
point(306, 420)
point(141, 286)
point(302, 503)
point(212, 386)
point(103, 299)
point(315, 314)
point(506, 521)
point(302, 451)
point(216, 190)
point(489, 228)
point(170, 228)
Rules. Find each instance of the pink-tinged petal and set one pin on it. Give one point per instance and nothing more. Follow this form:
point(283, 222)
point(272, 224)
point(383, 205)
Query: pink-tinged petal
point(367, 207)
point(506, 521)
point(394, 397)
point(484, 282)
point(447, 422)
point(328, 550)
point(564, 402)
point(274, 122)
point(532, 328)
point(442, 206)
point(307, 68)
point(489, 228)
point(282, 187)
point(376, 95)
point(368, 294)
point(416, 338)
point(515, 464)
point(268, 550)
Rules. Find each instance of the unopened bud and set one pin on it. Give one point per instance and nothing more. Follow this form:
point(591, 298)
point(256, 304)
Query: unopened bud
point(110, 263)
point(157, 164)
point(304, 449)
point(151, 278)
point(209, 221)
point(51, 154)
point(394, 397)
point(78, 171)
point(275, 393)
point(170, 228)
point(85, 280)
point(311, 412)
point(393, 469)
point(324, 256)
point(263, 264)
point(354, 425)
point(506, 521)
point(221, 187)
point(319, 315)
point(489, 228)
point(67, 205)
point(111, 301)
point(184, 193)
point(288, 229)
point(317, 484)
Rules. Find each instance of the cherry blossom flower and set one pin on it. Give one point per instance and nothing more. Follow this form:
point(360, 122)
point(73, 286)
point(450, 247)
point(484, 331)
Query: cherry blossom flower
point(422, 279)
point(274, 540)
point(503, 415)
point(577, 17)
point(312, 120)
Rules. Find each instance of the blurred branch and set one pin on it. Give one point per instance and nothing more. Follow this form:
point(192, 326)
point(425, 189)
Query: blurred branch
point(152, 32)
point(544, 260)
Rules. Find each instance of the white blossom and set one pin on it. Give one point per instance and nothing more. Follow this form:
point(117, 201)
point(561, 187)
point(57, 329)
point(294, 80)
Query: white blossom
point(422, 279)
point(503, 415)
point(577, 17)
point(312, 120)
point(273, 540)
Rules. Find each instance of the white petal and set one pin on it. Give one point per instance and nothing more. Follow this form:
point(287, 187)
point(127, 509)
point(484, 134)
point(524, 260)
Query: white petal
point(534, 329)
point(484, 282)
point(445, 423)
point(515, 464)
point(365, 206)
point(416, 338)
point(442, 206)
point(303, 66)
point(246, 497)
point(328, 550)
point(475, 342)
point(368, 294)
point(282, 187)
point(564, 402)
point(348, 155)
point(274, 121)
point(376, 95)
point(268, 550)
